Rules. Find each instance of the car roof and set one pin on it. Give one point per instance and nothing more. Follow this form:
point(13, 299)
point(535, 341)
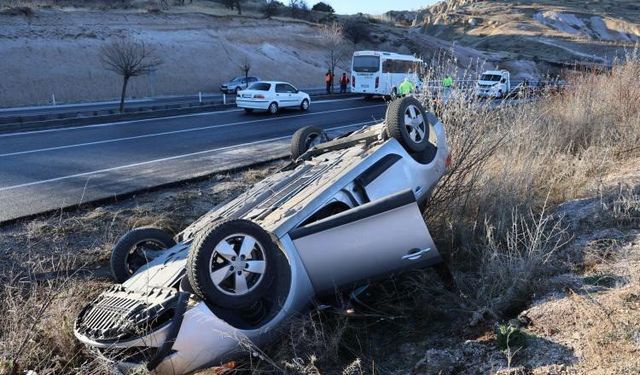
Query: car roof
point(275, 82)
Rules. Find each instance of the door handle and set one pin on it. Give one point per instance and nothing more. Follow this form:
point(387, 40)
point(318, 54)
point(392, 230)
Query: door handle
point(415, 254)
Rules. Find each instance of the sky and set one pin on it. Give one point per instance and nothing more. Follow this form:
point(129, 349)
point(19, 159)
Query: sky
point(374, 6)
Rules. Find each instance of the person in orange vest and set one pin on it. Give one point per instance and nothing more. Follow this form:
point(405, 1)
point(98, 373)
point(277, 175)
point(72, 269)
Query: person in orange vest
point(344, 81)
point(328, 79)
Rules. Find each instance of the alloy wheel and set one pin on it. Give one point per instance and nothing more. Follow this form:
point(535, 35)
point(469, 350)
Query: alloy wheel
point(415, 124)
point(237, 265)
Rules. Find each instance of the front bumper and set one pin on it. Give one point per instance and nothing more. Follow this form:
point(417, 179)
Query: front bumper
point(194, 338)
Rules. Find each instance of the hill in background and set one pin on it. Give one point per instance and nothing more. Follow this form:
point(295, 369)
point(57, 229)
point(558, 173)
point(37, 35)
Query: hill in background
point(532, 37)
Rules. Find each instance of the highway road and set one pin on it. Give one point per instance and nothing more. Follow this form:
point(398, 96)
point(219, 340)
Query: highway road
point(51, 169)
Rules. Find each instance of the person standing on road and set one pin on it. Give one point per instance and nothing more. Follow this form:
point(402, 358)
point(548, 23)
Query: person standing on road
point(328, 80)
point(344, 81)
point(406, 87)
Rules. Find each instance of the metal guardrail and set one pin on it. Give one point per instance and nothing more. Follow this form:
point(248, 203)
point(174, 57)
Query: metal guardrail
point(12, 116)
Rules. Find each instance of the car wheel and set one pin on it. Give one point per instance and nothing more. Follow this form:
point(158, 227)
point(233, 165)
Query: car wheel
point(248, 110)
point(305, 138)
point(232, 263)
point(273, 108)
point(137, 248)
point(304, 106)
point(406, 122)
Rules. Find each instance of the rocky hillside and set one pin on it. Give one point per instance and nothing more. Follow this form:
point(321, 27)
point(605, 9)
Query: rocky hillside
point(546, 32)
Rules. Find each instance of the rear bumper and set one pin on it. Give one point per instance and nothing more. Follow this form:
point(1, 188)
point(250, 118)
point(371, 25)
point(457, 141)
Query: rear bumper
point(252, 104)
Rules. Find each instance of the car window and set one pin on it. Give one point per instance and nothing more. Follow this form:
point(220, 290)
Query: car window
point(253, 79)
point(236, 79)
point(285, 88)
point(490, 77)
point(260, 86)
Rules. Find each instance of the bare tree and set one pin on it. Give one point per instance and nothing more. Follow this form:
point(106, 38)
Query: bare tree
point(233, 4)
point(128, 58)
point(271, 8)
point(355, 30)
point(334, 45)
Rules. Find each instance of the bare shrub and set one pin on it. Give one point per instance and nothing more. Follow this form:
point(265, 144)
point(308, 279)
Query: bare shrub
point(520, 159)
point(25, 11)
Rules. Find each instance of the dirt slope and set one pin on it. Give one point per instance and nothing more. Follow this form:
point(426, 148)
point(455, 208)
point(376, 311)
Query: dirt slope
point(56, 52)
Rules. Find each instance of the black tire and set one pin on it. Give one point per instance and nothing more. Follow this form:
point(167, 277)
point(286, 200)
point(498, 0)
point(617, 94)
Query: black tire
point(304, 106)
point(273, 108)
point(132, 250)
point(248, 110)
point(204, 258)
point(396, 127)
point(304, 138)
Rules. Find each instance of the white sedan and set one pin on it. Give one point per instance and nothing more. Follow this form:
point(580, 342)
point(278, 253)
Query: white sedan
point(271, 96)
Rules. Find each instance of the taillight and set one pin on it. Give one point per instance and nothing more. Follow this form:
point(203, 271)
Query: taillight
point(377, 82)
point(353, 81)
point(258, 96)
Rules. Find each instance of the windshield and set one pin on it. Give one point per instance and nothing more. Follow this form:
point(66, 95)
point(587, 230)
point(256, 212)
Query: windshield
point(236, 79)
point(366, 64)
point(260, 86)
point(491, 77)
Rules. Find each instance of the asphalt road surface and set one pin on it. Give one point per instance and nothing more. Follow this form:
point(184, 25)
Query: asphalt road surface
point(51, 169)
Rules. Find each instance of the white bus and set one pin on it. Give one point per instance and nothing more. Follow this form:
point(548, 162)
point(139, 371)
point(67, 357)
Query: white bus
point(380, 73)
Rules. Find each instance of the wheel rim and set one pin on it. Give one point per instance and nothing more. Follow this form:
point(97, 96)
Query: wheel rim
point(273, 108)
point(305, 105)
point(414, 123)
point(237, 264)
point(142, 253)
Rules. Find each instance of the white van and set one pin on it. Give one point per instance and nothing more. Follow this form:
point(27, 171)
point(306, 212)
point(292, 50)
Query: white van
point(494, 84)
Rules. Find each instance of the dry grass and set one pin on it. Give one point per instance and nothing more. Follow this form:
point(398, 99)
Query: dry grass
point(36, 326)
point(512, 162)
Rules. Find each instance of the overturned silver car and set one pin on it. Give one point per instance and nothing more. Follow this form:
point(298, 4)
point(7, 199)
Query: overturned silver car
point(342, 212)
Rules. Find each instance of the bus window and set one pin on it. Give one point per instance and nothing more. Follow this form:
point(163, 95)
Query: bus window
point(397, 66)
point(366, 64)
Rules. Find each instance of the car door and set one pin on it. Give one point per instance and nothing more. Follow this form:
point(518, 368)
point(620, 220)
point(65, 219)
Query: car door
point(285, 92)
point(367, 241)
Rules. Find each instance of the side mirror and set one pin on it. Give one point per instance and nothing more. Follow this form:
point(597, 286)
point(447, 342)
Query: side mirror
point(503, 80)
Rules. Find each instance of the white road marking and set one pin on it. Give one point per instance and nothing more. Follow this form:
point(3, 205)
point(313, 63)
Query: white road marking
point(168, 158)
point(117, 123)
point(165, 133)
